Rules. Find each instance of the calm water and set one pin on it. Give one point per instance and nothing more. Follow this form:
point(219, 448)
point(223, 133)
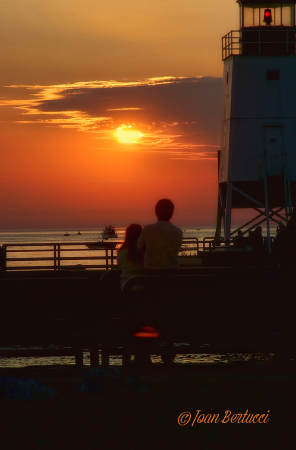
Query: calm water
point(93, 236)
point(89, 235)
point(78, 250)
point(86, 235)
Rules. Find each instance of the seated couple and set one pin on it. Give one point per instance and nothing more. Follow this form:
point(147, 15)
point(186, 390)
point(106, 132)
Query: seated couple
point(154, 247)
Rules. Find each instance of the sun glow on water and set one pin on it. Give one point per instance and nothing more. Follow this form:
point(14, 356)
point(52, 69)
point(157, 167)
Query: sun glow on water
point(126, 135)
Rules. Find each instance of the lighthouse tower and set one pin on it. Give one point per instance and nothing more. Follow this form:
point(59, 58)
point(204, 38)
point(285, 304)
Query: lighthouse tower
point(257, 157)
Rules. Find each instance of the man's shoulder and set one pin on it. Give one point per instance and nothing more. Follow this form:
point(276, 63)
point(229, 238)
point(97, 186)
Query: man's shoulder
point(162, 227)
point(174, 228)
point(148, 227)
point(161, 224)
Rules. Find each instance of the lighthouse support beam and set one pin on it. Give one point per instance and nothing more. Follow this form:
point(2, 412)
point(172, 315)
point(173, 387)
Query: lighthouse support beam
point(288, 205)
point(267, 214)
point(227, 225)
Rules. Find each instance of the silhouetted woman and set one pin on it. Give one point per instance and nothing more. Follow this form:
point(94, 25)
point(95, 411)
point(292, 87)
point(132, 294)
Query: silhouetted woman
point(129, 258)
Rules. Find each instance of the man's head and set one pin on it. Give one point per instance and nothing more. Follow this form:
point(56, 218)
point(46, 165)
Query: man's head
point(164, 209)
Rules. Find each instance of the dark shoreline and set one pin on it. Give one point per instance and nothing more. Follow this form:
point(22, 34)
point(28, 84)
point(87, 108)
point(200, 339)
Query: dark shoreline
point(117, 417)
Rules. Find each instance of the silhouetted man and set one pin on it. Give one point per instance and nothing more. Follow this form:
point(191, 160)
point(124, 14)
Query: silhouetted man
point(284, 246)
point(162, 240)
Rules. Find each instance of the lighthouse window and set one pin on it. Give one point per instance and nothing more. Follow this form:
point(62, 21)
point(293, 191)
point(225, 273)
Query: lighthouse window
point(277, 16)
point(248, 16)
point(273, 75)
point(287, 16)
point(258, 15)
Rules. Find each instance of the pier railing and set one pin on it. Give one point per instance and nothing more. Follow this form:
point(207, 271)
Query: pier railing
point(57, 256)
point(71, 255)
point(95, 255)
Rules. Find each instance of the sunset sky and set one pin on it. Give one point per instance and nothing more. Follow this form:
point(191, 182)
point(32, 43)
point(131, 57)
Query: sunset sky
point(105, 107)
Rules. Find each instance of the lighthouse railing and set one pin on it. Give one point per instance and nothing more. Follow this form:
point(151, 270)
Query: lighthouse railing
point(259, 42)
point(231, 44)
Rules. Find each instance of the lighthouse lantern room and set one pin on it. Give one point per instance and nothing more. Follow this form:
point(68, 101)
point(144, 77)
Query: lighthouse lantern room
point(257, 157)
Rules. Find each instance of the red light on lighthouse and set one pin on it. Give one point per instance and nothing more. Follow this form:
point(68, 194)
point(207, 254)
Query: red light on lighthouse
point(267, 16)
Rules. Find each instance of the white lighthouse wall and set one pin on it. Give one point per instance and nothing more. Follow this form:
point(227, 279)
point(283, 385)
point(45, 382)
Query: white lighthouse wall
point(225, 120)
point(252, 106)
point(253, 95)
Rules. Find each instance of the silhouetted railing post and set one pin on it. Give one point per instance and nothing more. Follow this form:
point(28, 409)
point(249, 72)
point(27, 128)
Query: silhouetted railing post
point(106, 258)
point(3, 258)
point(59, 257)
point(55, 257)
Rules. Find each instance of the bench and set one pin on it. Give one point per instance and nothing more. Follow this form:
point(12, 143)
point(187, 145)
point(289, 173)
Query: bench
point(232, 310)
point(47, 314)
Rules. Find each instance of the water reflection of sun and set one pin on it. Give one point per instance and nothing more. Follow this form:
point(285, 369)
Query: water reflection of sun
point(126, 135)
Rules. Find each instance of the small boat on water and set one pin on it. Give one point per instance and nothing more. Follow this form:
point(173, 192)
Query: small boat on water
point(67, 234)
point(109, 232)
point(79, 234)
point(102, 245)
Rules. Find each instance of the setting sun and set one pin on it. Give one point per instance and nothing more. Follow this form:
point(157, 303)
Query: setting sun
point(126, 135)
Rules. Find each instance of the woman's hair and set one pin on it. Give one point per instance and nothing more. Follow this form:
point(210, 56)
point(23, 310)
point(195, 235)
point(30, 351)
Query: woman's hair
point(132, 234)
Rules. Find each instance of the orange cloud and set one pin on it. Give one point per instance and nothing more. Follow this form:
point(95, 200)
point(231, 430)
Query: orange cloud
point(171, 113)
